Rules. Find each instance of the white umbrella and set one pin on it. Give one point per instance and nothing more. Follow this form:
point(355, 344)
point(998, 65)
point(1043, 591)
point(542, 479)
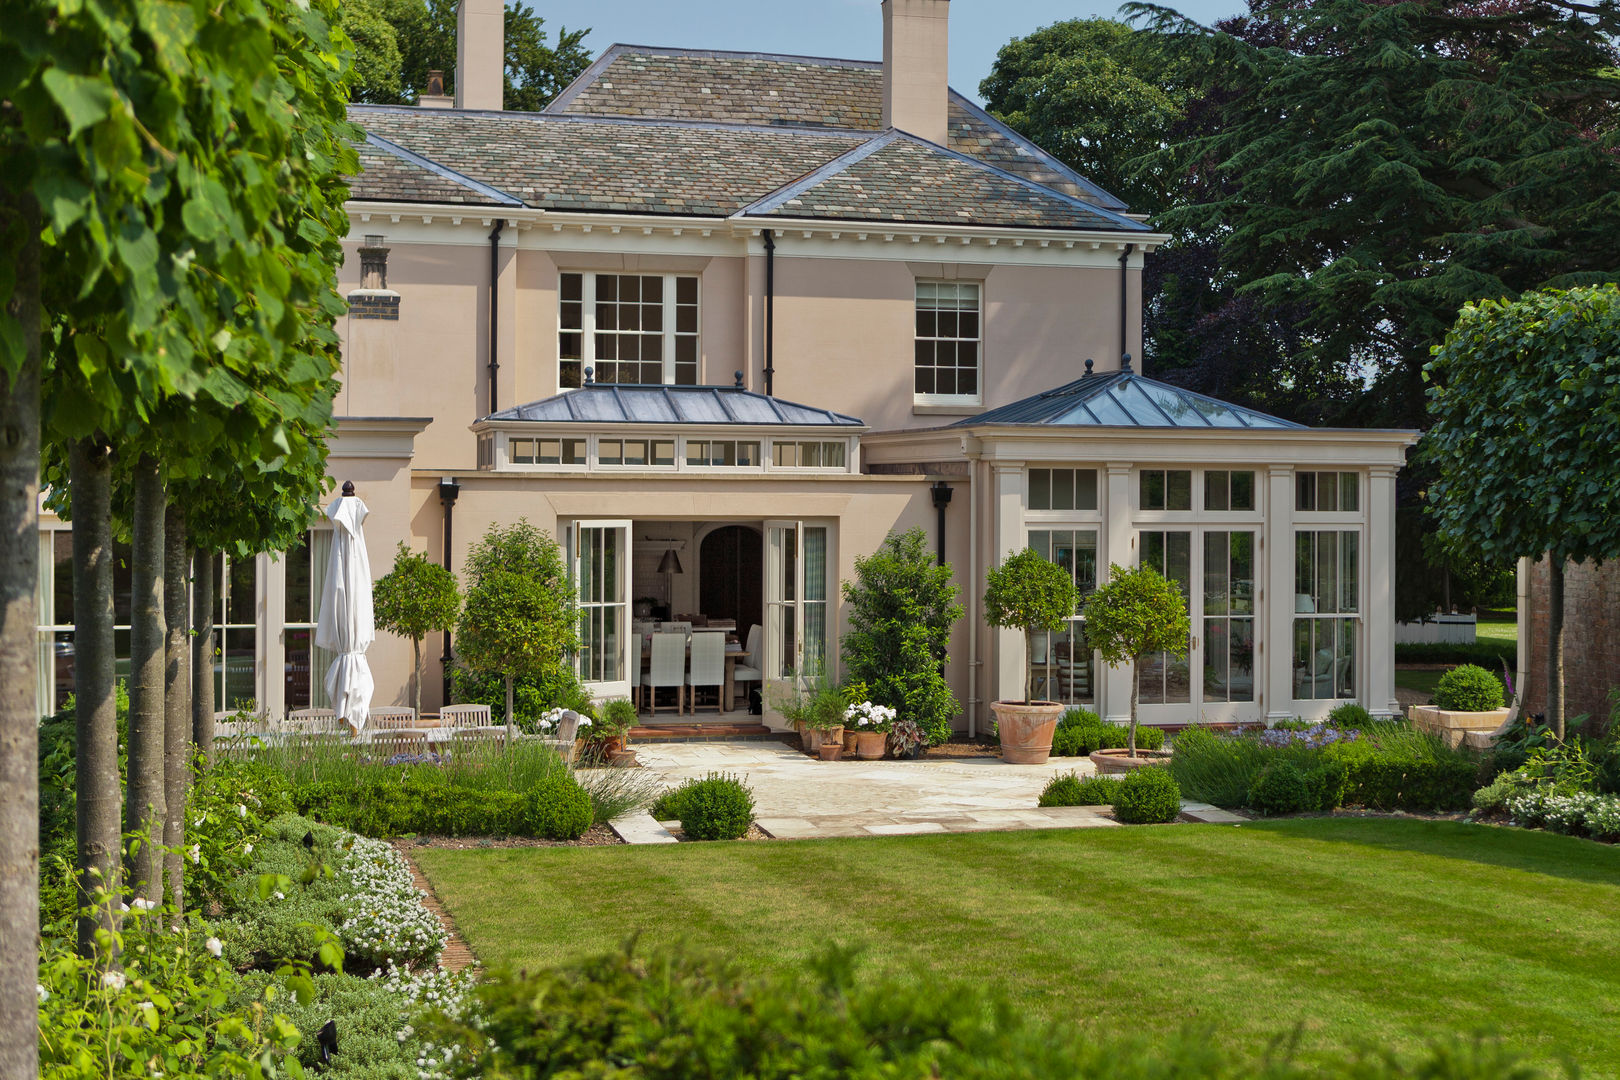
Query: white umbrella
point(347, 626)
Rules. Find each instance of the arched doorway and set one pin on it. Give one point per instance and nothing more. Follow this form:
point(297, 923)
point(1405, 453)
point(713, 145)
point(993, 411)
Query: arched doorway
point(731, 581)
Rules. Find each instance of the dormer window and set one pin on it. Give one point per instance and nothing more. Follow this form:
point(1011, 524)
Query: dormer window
point(629, 328)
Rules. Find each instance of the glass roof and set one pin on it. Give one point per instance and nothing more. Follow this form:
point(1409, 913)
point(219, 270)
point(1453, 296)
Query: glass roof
point(1125, 399)
point(601, 403)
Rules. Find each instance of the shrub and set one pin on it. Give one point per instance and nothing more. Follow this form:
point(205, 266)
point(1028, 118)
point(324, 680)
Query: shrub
point(1134, 614)
point(669, 805)
point(558, 688)
point(1406, 777)
point(1218, 769)
point(1027, 592)
point(1078, 733)
point(1485, 653)
point(717, 807)
point(1147, 796)
point(1072, 790)
point(1468, 688)
point(1349, 715)
point(559, 809)
point(1114, 737)
point(1282, 788)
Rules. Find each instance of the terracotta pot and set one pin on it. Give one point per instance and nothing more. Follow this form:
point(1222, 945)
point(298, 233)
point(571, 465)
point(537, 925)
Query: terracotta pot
point(810, 739)
point(624, 759)
point(849, 741)
point(1119, 760)
point(831, 751)
point(869, 745)
point(1026, 730)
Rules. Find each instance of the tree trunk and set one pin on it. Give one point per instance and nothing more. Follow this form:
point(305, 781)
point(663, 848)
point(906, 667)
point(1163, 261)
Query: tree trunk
point(144, 809)
point(202, 653)
point(99, 799)
point(1136, 691)
point(176, 701)
point(509, 710)
point(19, 652)
point(1029, 667)
point(1555, 644)
point(416, 672)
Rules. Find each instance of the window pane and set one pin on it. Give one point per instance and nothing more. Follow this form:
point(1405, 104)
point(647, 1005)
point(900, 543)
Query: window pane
point(1349, 592)
point(1241, 588)
point(1349, 492)
point(1178, 562)
point(1344, 674)
point(1327, 571)
point(635, 452)
point(1178, 490)
point(1217, 650)
point(521, 451)
point(1243, 491)
point(968, 324)
point(748, 453)
point(1216, 569)
point(241, 601)
point(1063, 489)
point(1215, 489)
point(1152, 482)
point(573, 451)
point(663, 453)
point(1304, 570)
point(62, 576)
point(810, 455)
point(1305, 491)
point(1327, 491)
point(568, 375)
point(297, 594)
point(697, 452)
point(1040, 489)
point(832, 455)
point(572, 286)
point(609, 452)
point(1085, 489)
point(686, 290)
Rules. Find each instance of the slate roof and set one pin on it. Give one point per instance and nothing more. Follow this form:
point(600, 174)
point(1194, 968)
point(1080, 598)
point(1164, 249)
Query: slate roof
point(804, 91)
point(600, 403)
point(897, 177)
point(412, 179)
point(1124, 399)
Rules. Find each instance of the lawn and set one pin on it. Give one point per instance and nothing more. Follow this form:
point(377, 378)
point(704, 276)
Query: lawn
point(1493, 628)
point(1376, 932)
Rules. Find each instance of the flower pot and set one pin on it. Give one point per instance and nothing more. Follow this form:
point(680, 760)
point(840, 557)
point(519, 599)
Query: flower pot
point(869, 745)
point(624, 759)
point(1026, 730)
point(849, 741)
point(1119, 760)
point(810, 739)
point(831, 751)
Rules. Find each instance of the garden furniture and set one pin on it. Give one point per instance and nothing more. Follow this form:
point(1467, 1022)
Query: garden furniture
point(392, 718)
point(464, 716)
point(707, 668)
point(668, 669)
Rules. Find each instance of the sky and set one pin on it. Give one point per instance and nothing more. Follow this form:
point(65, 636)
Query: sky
point(847, 29)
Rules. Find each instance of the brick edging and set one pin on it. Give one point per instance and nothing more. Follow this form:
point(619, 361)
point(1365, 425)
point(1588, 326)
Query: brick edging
point(457, 954)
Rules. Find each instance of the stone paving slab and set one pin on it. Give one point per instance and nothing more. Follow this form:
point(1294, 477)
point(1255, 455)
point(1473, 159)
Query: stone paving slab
point(641, 828)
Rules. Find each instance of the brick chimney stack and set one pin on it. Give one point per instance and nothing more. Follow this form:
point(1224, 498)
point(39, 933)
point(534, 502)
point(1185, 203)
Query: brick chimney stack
point(480, 54)
point(916, 94)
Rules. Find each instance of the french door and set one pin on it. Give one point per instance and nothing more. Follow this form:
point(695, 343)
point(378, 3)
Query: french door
point(795, 602)
point(600, 561)
point(1215, 680)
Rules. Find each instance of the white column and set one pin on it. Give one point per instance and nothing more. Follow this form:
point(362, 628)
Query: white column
point(1118, 549)
point(1277, 621)
point(270, 681)
point(1380, 594)
point(1007, 517)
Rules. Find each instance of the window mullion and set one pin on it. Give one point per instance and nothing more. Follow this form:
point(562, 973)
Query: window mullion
point(669, 306)
point(587, 322)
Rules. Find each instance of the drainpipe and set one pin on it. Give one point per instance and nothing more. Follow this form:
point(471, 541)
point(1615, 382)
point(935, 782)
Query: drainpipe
point(1124, 297)
point(448, 490)
point(494, 311)
point(941, 491)
point(970, 449)
point(770, 311)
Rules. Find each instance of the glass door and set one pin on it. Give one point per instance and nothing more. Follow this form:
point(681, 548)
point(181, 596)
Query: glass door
point(795, 601)
point(601, 567)
point(1214, 682)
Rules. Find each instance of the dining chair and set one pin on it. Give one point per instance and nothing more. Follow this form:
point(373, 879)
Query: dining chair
point(668, 669)
point(464, 716)
point(750, 665)
point(391, 718)
point(312, 721)
point(708, 667)
point(387, 742)
point(678, 627)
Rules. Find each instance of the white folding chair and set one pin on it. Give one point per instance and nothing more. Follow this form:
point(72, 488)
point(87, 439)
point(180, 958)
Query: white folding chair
point(751, 665)
point(464, 716)
point(708, 667)
point(668, 669)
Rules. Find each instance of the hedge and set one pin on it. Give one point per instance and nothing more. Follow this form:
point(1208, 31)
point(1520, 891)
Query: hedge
point(1487, 654)
point(389, 806)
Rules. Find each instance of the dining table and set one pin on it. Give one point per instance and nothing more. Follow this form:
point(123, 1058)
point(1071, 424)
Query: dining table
point(734, 652)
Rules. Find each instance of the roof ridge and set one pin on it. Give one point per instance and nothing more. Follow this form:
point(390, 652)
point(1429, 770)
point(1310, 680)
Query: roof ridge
point(625, 121)
point(443, 171)
point(817, 176)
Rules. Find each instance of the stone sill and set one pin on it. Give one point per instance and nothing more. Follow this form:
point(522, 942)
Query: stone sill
point(919, 409)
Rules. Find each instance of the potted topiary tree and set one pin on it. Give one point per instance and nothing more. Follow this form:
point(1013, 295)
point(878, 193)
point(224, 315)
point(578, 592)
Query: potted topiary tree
point(416, 598)
point(1135, 614)
point(1028, 593)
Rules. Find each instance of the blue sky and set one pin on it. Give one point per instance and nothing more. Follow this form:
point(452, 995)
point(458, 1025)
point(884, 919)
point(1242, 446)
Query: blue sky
point(841, 28)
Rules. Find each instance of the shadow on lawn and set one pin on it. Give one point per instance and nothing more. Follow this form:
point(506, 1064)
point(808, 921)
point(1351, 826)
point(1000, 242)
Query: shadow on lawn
point(1532, 851)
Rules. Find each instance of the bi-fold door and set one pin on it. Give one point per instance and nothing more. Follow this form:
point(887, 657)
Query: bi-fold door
point(795, 602)
point(599, 554)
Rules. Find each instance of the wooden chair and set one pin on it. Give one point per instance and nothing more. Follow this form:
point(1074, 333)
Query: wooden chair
point(567, 734)
point(391, 718)
point(464, 716)
point(708, 667)
point(750, 665)
point(668, 669)
point(470, 737)
point(385, 743)
point(314, 721)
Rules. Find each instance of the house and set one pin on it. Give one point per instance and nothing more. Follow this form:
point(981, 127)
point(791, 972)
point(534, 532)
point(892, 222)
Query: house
point(722, 321)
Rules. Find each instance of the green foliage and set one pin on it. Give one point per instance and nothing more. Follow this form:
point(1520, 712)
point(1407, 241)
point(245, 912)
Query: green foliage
point(1100, 97)
point(718, 806)
point(532, 697)
point(1405, 770)
point(1468, 689)
point(416, 598)
point(377, 60)
point(1080, 731)
point(902, 606)
point(1028, 593)
point(558, 808)
point(1147, 796)
point(614, 719)
point(1134, 614)
point(818, 705)
point(1283, 788)
point(1349, 716)
point(1072, 790)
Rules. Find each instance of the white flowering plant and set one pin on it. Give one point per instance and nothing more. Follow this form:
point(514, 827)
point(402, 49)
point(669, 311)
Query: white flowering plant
point(1578, 813)
point(387, 925)
point(864, 716)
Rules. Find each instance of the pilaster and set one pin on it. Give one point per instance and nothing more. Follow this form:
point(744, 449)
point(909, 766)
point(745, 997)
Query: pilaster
point(1277, 635)
point(1007, 518)
point(1118, 549)
point(1379, 692)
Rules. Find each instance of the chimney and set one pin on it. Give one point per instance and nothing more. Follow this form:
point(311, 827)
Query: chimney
point(480, 54)
point(916, 96)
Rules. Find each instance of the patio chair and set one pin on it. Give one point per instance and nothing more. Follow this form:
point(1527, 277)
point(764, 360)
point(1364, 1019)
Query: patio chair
point(386, 743)
point(464, 716)
point(708, 667)
point(391, 718)
point(467, 738)
point(567, 731)
point(750, 665)
point(668, 669)
point(314, 721)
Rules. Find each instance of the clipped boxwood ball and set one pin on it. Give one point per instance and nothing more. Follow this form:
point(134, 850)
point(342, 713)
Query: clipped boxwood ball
point(559, 809)
point(1349, 716)
point(1072, 790)
point(1469, 688)
point(717, 807)
point(1283, 788)
point(1148, 796)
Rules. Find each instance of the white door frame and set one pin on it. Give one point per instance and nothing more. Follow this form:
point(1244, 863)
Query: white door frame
point(620, 687)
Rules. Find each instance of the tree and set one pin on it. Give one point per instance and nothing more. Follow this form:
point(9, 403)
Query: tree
point(1133, 615)
point(902, 606)
point(1101, 97)
point(416, 598)
point(1525, 399)
point(519, 616)
point(397, 42)
point(1028, 593)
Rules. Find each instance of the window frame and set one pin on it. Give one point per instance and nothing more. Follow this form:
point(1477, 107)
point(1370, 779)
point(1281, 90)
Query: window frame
point(669, 333)
point(1354, 616)
point(975, 398)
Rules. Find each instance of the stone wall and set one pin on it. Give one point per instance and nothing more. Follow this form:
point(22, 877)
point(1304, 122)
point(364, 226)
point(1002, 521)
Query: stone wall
point(1591, 638)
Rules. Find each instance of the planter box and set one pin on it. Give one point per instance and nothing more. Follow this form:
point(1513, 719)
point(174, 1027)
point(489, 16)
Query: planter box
point(1475, 728)
point(1114, 762)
